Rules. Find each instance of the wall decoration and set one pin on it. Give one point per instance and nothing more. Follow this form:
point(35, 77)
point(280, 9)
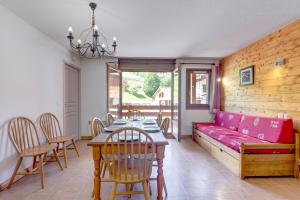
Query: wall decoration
point(247, 76)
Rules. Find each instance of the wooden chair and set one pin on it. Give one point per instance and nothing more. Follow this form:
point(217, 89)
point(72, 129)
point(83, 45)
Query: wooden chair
point(97, 126)
point(164, 127)
point(127, 143)
point(134, 114)
point(52, 131)
point(97, 129)
point(159, 119)
point(24, 136)
point(110, 119)
point(129, 115)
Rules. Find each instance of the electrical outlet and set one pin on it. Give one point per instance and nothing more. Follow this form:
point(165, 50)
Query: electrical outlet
point(280, 115)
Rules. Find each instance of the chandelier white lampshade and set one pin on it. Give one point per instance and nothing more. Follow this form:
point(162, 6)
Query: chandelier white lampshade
point(91, 43)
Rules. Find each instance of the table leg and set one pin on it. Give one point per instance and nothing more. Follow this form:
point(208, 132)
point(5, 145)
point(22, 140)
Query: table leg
point(160, 154)
point(97, 176)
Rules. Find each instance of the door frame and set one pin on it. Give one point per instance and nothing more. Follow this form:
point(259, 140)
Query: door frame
point(107, 89)
point(178, 69)
point(67, 64)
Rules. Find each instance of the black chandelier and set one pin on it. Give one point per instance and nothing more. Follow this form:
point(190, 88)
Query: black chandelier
point(91, 42)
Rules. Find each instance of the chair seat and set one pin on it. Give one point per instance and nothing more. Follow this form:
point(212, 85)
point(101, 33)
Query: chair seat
point(135, 178)
point(60, 139)
point(37, 150)
point(148, 156)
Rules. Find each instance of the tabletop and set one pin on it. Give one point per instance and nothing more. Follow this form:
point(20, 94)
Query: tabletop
point(158, 137)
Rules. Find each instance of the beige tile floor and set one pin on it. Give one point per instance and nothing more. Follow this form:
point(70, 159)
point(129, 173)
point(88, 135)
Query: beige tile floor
point(191, 174)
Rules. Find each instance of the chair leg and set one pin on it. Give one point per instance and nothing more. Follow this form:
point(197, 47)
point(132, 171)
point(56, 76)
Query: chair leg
point(102, 163)
point(34, 162)
point(75, 148)
point(15, 172)
point(45, 158)
point(104, 170)
point(57, 160)
point(65, 154)
point(93, 194)
point(41, 163)
point(131, 189)
point(128, 189)
point(146, 192)
point(165, 186)
point(149, 186)
point(113, 192)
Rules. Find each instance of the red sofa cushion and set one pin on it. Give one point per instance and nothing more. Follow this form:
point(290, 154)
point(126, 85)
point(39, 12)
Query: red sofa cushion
point(234, 139)
point(269, 129)
point(228, 120)
point(213, 130)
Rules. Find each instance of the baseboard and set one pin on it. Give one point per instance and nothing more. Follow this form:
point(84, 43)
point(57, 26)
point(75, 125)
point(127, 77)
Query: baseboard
point(3, 186)
point(86, 137)
point(170, 136)
point(186, 136)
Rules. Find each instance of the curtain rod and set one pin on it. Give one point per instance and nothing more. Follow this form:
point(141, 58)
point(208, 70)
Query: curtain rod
point(199, 63)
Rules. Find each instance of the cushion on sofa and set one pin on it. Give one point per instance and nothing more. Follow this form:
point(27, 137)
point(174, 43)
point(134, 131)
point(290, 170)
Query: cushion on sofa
point(269, 129)
point(213, 130)
point(228, 120)
point(233, 139)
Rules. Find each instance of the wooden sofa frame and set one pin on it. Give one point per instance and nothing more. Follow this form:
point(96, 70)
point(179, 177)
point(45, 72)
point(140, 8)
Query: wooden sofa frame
point(250, 165)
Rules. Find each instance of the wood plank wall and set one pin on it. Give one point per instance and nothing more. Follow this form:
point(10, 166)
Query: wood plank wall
point(275, 90)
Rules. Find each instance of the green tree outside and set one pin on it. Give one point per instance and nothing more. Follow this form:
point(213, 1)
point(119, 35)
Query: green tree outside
point(165, 81)
point(151, 84)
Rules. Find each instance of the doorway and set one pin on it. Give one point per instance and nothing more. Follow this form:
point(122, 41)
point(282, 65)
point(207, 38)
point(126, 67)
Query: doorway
point(151, 90)
point(71, 105)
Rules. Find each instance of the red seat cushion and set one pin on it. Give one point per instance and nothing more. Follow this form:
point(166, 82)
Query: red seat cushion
point(228, 120)
point(234, 139)
point(269, 129)
point(213, 130)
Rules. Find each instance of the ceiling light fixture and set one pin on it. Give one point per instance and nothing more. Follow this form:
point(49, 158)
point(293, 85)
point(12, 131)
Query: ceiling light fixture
point(91, 42)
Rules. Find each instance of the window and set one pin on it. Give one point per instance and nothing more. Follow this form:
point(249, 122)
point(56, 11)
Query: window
point(197, 88)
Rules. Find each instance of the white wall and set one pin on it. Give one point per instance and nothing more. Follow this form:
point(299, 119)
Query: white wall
point(31, 79)
point(189, 116)
point(93, 91)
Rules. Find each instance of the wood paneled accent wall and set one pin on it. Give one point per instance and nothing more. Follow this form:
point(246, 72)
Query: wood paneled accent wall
point(276, 89)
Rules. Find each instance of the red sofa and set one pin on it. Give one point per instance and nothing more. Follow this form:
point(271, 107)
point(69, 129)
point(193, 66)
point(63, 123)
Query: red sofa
point(237, 134)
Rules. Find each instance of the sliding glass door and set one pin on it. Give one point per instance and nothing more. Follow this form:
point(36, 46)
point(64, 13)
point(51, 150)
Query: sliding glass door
point(176, 104)
point(151, 86)
point(114, 80)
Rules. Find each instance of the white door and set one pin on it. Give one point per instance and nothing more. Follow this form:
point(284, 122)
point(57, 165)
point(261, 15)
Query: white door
point(71, 101)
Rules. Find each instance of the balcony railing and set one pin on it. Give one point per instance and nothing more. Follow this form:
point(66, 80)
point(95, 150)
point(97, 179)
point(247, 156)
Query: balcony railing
point(147, 110)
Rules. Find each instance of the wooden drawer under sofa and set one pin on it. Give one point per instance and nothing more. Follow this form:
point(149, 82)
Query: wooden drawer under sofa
point(251, 164)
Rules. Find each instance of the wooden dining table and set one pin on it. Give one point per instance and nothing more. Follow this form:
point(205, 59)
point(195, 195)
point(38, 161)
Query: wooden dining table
point(97, 145)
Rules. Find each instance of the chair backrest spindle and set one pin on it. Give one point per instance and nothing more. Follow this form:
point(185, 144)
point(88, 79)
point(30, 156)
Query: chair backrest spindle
point(165, 126)
point(110, 119)
point(129, 154)
point(159, 119)
point(50, 126)
point(134, 114)
point(97, 126)
point(23, 133)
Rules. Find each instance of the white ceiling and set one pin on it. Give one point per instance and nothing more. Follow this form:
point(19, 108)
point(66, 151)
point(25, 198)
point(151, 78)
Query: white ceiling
point(163, 28)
